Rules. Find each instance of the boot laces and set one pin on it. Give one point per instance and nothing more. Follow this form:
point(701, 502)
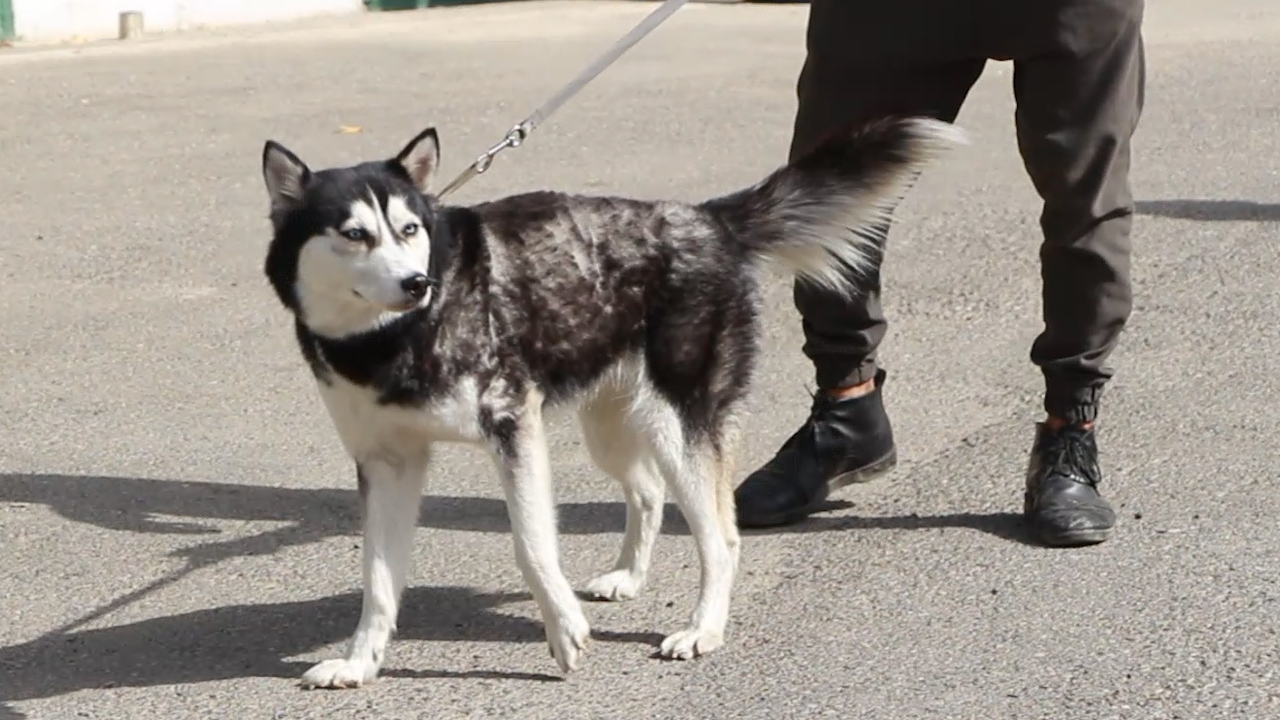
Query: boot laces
point(1067, 453)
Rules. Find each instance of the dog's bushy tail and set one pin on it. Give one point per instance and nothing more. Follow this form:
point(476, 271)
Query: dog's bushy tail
point(816, 215)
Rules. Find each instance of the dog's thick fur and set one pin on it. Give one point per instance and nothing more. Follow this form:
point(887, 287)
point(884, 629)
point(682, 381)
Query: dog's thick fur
point(427, 323)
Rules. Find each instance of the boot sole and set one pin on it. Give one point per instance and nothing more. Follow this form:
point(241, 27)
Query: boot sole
point(1063, 538)
point(863, 474)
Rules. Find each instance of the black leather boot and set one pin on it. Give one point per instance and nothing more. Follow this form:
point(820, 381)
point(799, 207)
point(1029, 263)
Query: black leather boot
point(842, 442)
point(1062, 502)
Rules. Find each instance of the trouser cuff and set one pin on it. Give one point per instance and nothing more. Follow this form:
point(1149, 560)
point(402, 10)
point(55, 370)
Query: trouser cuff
point(1072, 405)
point(830, 376)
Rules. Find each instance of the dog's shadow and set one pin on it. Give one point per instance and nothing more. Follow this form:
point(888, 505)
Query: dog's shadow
point(253, 640)
point(247, 641)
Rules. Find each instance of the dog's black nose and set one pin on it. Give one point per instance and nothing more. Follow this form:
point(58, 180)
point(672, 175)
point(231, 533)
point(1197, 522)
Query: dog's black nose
point(416, 286)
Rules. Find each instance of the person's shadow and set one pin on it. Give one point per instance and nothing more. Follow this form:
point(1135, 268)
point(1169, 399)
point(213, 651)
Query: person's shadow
point(1004, 525)
point(1211, 210)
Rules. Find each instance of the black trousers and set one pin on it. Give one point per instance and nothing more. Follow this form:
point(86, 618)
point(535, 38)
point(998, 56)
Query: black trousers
point(1079, 74)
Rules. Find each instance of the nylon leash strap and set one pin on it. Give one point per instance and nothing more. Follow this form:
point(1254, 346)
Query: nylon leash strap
point(520, 132)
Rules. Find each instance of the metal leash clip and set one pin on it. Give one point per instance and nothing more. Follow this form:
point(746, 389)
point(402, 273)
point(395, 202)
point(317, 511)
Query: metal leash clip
point(513, 139)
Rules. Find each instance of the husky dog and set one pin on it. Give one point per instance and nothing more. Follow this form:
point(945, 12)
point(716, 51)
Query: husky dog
point(424, 323)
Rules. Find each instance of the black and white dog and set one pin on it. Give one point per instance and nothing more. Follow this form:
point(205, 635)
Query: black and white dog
point(427, 323)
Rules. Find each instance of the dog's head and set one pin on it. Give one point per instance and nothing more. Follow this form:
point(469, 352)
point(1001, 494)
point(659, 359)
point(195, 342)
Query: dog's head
point(354, 246)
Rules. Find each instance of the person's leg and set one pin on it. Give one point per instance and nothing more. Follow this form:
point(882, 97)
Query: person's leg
point(842, 334)
point(1079, 96)
point(865, 60)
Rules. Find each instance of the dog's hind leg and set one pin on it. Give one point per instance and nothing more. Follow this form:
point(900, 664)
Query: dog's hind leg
point(726, 507)
point(390, 493)
point(693, 471)
point(619, 448)
point(521, 449)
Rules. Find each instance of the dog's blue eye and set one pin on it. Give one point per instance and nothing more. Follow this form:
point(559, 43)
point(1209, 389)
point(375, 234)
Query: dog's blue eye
point(410, 229)
point(356, 234)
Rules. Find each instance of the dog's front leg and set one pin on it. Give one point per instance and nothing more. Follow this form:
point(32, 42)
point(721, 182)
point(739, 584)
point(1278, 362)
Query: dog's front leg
point(390, 492)
point(521, 448)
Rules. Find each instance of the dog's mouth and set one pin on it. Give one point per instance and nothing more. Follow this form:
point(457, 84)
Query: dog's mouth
point(402, 307)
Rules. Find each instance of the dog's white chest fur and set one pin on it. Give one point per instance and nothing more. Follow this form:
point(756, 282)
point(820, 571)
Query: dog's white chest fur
point(369, 428)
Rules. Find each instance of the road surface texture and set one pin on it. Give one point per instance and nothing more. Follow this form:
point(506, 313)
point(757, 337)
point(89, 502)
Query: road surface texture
point(178, 523)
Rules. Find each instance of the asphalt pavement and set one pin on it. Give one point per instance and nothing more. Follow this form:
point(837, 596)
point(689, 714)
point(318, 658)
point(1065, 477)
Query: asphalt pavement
point(178, 523)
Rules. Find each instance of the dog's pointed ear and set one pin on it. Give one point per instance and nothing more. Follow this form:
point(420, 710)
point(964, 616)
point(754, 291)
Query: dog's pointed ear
point(286, 176)
point(421, 159)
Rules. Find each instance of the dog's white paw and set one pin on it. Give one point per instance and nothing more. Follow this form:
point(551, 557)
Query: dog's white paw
point(688, 644)
point(339, 673)
point(568, 639)
point(614, 586)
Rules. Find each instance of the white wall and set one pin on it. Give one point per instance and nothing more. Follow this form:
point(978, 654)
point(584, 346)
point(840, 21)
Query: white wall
point(52, 20)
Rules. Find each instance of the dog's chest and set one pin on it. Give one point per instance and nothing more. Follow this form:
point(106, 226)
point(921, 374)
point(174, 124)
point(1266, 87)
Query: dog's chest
point(368, 426)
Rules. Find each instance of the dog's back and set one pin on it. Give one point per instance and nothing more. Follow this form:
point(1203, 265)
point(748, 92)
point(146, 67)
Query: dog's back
point(576, 283)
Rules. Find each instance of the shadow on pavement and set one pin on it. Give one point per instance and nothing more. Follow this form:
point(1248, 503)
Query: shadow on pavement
point(1212, 210)
point(247, 641)
point(1004, 525)
point(175, 507)
point(250, 640)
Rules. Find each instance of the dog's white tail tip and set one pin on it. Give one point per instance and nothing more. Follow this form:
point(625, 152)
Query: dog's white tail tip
point(935, 137)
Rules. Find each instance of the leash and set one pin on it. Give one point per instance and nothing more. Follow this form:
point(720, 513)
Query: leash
point(520, 132)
